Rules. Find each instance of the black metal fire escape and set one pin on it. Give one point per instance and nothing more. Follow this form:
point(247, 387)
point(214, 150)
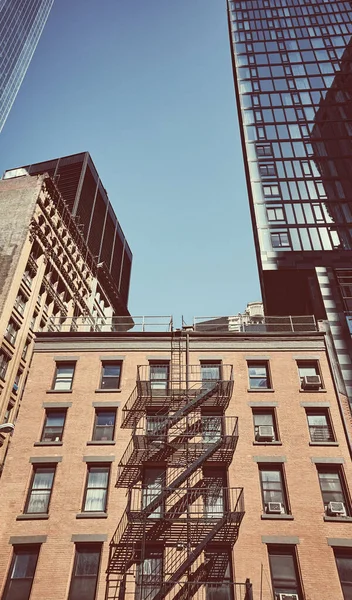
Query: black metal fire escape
point(163, 547)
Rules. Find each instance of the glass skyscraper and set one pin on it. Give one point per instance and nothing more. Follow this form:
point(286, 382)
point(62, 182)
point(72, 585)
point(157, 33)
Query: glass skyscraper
point(292, 64)
point(21, 24)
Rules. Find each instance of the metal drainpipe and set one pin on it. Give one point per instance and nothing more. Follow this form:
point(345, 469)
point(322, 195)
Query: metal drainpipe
point(187, 359)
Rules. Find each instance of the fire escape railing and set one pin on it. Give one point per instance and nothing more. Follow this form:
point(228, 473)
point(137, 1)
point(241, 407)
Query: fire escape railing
point(181, 430)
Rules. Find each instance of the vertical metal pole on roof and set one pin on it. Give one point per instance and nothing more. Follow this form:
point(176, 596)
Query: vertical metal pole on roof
point(187, 360)
point(291, 323)
point(249, 590)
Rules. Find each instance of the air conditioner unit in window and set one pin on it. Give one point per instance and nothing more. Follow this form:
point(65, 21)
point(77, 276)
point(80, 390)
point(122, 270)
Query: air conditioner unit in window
point(275, 508)
point(287, 597)
point(311, 382)
point(265, 433)
point(336, 509)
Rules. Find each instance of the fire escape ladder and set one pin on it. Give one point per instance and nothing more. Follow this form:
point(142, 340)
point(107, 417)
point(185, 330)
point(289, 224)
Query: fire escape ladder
point(178, 348)
point(180, 479)
point(193, 555)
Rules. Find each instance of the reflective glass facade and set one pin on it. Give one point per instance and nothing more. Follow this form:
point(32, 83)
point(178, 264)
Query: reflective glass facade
point(293, 79)
point(21, 24)
point(292, 62)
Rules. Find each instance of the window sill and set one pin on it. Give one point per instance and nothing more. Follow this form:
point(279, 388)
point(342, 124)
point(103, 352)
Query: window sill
point(47, 443)
point(101, 443)
point(260, 390)
point(275, 443)
point(108, 391)
point(338, 519)
point(32, 517)
point(92, 515)
point(322, 391)
point(285, 517)
point(323, 443)
point(59, 391)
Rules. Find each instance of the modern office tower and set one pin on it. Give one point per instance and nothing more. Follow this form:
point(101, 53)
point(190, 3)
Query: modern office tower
point(21, 25)
point(169, 465)
point(48, 276)
point(292, 67)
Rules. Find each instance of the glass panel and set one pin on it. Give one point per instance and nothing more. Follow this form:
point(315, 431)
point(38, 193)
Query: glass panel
point(96, 494)
point(210, 371)
point(283, 570)
point(41, 490)
point(159, 377)
point(344, 568)
point(53, 428)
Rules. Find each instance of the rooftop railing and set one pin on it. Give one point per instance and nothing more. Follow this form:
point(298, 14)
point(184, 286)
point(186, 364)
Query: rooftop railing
point(88, 323)
point(287, 324)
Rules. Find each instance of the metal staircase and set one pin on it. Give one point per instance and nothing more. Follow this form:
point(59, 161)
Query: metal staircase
point(178, 507)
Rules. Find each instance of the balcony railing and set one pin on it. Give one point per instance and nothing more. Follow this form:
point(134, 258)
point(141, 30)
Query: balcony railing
point(286, 324)
point(187, 590)
point(88, 323)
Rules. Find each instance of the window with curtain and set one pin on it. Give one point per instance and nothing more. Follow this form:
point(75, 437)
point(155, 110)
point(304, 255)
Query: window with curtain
point(21, 574)
point(320, 428)
point(159, 376)
point(149, 575)
point(53, 426)
point(85, 572)
point(215, 496)
point(96, 489)
point(210, 371)
point(284, 570)
point(40, 490)
point(64, 376)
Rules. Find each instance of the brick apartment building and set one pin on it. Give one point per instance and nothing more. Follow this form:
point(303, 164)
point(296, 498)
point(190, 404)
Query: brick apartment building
point(231, 455)
point(50, 270)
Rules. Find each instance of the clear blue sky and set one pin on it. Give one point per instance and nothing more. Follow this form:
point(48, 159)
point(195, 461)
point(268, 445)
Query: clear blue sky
point(146, 87)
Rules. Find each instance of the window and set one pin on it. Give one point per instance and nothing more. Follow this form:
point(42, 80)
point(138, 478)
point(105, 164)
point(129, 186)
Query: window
point(280, 240)
point(20, 303)
point(212, 428)
point(149, 575)
point(27, 277)
point(4, 363)
point(333, 491)
point(53, 426)
point(265, 429)
point(11, 332)
point(21, 573)
point(85, 572)
point(273, 489)
point(96, 494)
point(219, 562)
point(111, 375)
point(258, 373)
point(16, 382)
point(308, 369)
point(8, 412)
point(210, 371)
point(215, 494)
point(320, 428)
point(284, 570)
point(343, 557)
point(104, 425)
point(40, 490)
point(159, 377)
point(153, 484)
point(64, 376)
point(25, 349)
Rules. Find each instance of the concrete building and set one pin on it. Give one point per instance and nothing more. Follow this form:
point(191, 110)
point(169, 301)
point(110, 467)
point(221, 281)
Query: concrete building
point(231, 459)
point(292, 66)
point(21, 25)
point(48, 275)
